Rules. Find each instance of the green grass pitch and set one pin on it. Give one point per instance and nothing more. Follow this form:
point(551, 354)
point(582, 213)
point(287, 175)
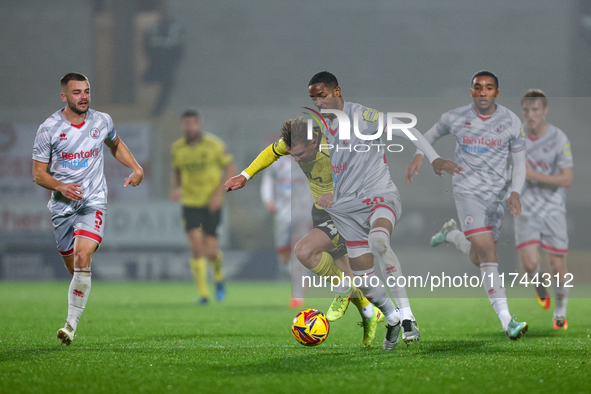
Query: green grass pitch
point(152, 337)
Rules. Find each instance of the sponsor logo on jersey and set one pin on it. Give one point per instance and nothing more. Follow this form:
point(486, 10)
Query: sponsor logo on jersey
point(80, 155)
point(337, 171)
point(78, 160)
point(95, 133)
point(468, 220)
point(479, 145)
point(566, 150)
point(468, 125)
point(63, 137)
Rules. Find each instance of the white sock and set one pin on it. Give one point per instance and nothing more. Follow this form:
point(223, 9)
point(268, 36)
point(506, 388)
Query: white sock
point(78, 295)
point(458, 238)
point(367, 311)
point(496, 293)
point(379, 243)
point(376, 294)
point(297, 271)
point(561, 294)
point(344, 286)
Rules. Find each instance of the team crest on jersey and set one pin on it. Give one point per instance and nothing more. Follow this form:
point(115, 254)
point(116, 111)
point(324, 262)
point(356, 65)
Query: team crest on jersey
point(371, 115)
point(319, 167)
point(499, 127)
point(566, 150)
point(95, 133)
point(468, 220)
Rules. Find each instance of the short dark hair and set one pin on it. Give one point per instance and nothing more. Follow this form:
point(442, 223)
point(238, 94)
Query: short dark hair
point(72, 77)
point(485, 73)
point(190, 113)
point(295, 131)
point(325, 77)
point(535, 94)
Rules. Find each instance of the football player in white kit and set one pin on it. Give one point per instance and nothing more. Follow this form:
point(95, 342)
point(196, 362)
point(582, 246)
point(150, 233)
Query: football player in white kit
point(485, 134)
point(68, 159)
point(365, 204)
point(542, 222)
point(286, 197)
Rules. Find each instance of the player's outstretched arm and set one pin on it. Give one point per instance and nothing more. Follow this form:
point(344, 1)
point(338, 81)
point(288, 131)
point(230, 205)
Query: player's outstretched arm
point(563, 179)
point(424, 146)
point(267, 157)
point(120, 151)
point(42, 178)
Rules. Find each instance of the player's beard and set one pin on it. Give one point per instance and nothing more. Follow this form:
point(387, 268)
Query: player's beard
point(78, 111)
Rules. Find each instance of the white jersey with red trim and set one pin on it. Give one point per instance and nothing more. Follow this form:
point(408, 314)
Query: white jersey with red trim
point(358, 173)
point(547, 155)
point(483, 144)
point(75, 155)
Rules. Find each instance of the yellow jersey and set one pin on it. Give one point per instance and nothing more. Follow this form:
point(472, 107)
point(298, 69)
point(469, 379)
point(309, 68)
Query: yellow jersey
point(201, 167)
point(318, 171)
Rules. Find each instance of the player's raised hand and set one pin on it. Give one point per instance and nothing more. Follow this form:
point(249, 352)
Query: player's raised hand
point(514, 204)
point(325, 200)
point(71, 191)
point(451, 167)
point(413, 168)
point(135, 178)
point(235, 183)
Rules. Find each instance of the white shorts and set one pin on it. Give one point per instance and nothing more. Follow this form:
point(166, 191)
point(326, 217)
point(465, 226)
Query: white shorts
point(88, 222)
point(478, 216)
point(353, 219)
point(549, 232)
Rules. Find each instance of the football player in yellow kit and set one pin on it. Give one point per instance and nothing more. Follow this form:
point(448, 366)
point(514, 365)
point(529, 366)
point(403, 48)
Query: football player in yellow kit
point(322, 250)
point(201, 166)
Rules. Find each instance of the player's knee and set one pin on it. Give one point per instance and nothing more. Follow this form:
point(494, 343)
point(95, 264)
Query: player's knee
point(82, 259)
point(304, 252)
point(529, 265)
point(378, 242)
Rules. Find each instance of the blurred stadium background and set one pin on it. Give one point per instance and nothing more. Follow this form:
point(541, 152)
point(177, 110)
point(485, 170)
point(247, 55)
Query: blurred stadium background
point(240, 64)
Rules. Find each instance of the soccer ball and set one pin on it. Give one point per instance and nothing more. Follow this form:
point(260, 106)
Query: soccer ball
point(310, 327)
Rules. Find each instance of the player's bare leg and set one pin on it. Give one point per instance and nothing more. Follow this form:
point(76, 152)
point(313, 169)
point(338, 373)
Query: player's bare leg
point(69, 263)
point(530, 260)
point(199, 263)
point(79, 287)
point(313, 250)
point(379, 243)
point(483, 253)
point(558, 266)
